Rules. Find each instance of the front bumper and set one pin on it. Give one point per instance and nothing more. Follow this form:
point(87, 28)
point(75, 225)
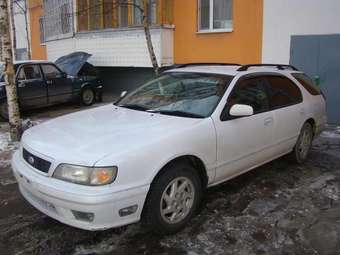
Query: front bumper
point(51, 197)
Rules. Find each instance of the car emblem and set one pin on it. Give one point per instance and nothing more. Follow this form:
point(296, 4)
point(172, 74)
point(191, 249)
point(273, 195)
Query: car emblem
point(31, 160)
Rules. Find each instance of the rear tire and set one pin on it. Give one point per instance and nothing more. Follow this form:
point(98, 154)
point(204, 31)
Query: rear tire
point(173, 199)
point(4, 110)
point(303, 145)
point(87, 96)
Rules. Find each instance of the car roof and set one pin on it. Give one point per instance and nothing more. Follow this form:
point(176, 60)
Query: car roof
point(233, 70)
point(22, 62)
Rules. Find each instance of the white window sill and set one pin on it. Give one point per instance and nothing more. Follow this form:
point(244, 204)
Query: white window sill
point(213, 31)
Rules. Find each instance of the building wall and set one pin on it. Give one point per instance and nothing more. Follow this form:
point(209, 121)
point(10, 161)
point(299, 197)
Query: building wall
point(285, 18)
point(35, 12)
point(19, 19)
point(243, 44)
point(124, 48)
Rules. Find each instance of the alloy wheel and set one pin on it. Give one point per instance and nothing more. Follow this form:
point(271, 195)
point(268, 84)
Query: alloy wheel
point(177, 200)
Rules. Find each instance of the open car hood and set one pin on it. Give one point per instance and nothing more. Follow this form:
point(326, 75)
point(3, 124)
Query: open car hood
point(72, 63)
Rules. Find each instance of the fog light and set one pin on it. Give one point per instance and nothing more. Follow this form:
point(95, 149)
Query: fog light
point(128, 210)
point(83, 216)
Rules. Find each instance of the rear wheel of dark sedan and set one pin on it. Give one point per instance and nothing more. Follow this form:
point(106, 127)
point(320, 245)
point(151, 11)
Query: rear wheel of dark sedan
point(173, 199)
point(303, 144)
point(4, 110)
point(87, 96)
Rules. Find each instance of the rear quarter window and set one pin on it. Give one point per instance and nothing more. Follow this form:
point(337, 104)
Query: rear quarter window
point(307, 83)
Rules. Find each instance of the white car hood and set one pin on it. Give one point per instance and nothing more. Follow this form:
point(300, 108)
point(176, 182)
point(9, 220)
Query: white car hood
point(86, 137)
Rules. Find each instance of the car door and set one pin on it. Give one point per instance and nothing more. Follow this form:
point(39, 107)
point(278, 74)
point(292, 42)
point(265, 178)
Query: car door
point(31, 86)
point(244, 142)
point(59, 87)
point(285, 100)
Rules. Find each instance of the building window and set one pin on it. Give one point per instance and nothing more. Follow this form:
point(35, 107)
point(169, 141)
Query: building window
point(95, 16)
point(137, 14)
point(108, 13)
point(65, 21)
point(82, 15)
point(103, 14)
point(152, 12)
point(123, 13)
point(215, 15)
point(42, 30)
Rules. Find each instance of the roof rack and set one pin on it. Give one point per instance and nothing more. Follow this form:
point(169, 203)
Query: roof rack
point(206, 64)
point(279, 66)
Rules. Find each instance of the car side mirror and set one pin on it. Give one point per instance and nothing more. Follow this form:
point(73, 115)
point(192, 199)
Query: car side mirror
point(123, 94)
point(241, 110)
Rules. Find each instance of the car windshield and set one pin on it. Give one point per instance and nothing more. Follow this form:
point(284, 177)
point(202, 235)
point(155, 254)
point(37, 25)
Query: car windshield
point(194, 95)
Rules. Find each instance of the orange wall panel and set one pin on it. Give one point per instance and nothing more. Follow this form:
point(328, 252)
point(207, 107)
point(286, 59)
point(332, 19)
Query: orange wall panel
point(243, 45)
point(35, 12)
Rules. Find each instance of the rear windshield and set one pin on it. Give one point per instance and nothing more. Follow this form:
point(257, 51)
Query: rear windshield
point(307, 83)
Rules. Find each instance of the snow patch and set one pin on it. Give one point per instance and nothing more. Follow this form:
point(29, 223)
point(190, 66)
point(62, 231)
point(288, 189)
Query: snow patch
point(4, 141)
point(331, 134)
point(6, 144)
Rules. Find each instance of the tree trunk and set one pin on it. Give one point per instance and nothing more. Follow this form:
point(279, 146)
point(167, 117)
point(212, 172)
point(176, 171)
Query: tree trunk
point(11, 91)
point(29, 55)
point(152, 54)
point(14, 35)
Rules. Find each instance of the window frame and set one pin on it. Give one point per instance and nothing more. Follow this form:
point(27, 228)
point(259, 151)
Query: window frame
point(49, 64)
point(293, 83)
point(311, 88)
point(225, 116)
point(21, 68)
point(211, 28)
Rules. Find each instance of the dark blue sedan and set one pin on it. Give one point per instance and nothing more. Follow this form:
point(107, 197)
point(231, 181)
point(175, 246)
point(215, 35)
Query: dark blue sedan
point(42, 83)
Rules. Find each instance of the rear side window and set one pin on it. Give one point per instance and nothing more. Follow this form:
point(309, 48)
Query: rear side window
point(29, 72)
point(50, 71)
point(251, 92)
point(307, 83)
point(282, 92)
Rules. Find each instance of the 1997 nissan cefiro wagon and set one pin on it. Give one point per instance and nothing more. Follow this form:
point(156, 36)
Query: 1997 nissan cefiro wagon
point(152, 154)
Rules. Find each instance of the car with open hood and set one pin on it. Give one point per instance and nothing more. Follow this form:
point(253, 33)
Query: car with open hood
point(152, 154)
point(43, 83)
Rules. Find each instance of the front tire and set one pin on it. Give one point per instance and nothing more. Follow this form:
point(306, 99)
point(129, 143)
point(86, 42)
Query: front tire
point(173, 199)
point(303, 144)
point(87, 96)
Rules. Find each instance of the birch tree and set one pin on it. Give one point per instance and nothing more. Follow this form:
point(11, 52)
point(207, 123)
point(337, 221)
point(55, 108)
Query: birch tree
point(11, 91)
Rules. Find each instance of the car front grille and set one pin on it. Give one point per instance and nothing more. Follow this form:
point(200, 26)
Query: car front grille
point(36, 162)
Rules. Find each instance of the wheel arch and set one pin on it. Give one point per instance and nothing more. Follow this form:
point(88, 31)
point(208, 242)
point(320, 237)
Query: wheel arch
point(192, 160)
point(313, 123)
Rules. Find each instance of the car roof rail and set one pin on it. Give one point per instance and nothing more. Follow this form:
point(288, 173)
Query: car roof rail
point(206, 64)
point(278, 66)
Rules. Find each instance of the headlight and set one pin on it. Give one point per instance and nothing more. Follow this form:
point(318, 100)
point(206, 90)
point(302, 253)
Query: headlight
point(91, 176)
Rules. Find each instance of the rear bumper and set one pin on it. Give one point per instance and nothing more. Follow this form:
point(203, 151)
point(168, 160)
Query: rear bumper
point(51, 199)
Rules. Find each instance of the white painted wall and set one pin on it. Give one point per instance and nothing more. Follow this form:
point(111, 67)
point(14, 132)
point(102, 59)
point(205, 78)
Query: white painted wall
point(284, 18)
point(20, 26)
point(117, 48)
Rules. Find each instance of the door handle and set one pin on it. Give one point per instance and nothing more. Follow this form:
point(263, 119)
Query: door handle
point(268, 121)
point(49, 82)
point(21, 84)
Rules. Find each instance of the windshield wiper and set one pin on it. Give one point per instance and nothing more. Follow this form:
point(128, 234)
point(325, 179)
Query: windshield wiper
point(134, 107)
point(178, 113)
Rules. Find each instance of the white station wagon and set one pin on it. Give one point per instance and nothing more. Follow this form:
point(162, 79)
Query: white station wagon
point(152, 154)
